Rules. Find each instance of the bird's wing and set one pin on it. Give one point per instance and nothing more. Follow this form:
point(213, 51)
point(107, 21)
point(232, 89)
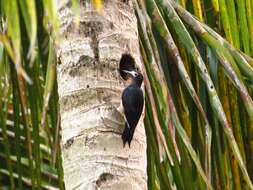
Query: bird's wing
point(132, 100)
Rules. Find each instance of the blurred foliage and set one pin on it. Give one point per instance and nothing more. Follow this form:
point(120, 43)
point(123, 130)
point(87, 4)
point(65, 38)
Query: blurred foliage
point(199, 92)
point(29, 120)
point(198, 81)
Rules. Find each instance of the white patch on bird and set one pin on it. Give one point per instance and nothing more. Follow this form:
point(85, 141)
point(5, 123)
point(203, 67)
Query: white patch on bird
point(128, 125)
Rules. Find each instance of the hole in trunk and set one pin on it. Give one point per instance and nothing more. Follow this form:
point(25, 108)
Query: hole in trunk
point(127, 62)
point(103, 178)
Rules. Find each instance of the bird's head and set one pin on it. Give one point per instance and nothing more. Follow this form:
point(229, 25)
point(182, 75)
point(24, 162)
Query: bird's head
point(136, 76)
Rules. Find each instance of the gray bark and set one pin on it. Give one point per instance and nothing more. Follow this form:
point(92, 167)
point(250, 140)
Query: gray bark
point(90, 90)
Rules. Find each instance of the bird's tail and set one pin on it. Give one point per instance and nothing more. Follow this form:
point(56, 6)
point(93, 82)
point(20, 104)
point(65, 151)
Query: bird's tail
point(127, 135)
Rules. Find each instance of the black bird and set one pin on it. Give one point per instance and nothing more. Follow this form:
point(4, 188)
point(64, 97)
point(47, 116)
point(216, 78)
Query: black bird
point(132, 100)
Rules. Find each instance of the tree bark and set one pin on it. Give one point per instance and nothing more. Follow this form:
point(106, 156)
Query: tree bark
point(90, 88)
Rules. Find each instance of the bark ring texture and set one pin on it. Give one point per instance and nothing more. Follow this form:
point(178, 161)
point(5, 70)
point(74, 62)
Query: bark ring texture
point(90, 88)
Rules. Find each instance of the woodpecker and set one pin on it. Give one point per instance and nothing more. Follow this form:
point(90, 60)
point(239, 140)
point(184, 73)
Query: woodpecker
point(132, 101)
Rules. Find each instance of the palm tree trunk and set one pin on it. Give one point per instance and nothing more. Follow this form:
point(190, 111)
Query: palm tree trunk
point(90, 89)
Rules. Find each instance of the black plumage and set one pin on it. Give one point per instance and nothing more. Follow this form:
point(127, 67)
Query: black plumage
point(133, 101)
